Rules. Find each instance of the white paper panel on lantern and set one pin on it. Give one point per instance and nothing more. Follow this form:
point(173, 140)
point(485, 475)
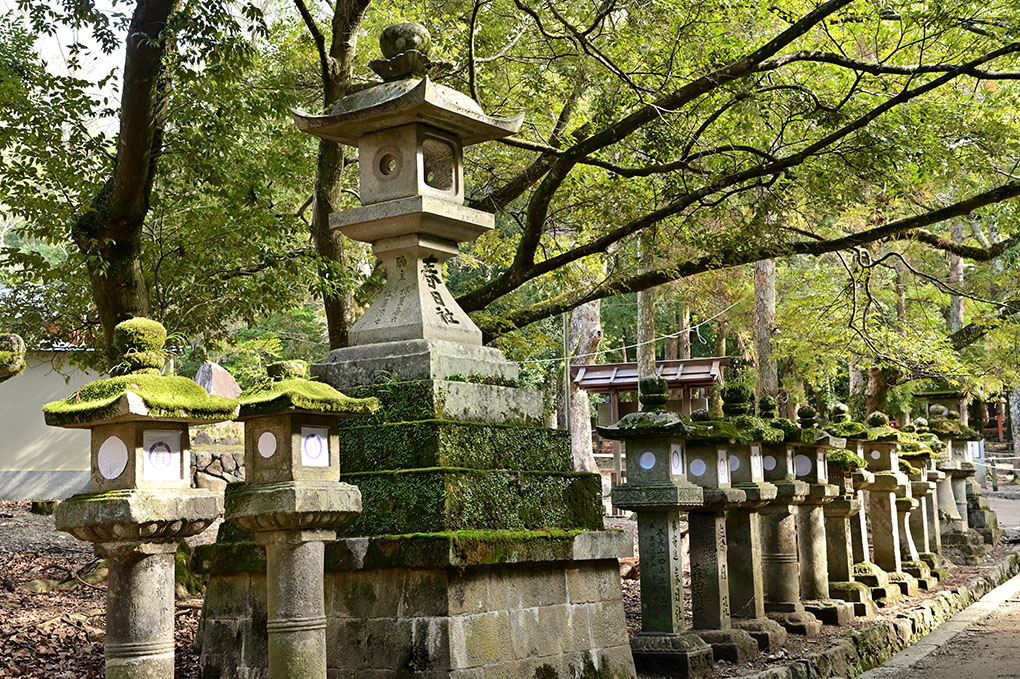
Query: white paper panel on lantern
point(315, 446)
point(112, 457)
point(756, 472)
point(676, 459)
point(724, 467)
point(162, 450)
point(823, 467)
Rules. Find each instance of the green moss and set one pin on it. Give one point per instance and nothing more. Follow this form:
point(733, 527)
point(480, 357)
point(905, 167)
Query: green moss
point(184, 573)
point(166, 397)
point(304, 395)
point(908, 468)
point(282, 370)
point(849, 587)
point(444, 499)
point(11, 365)
point(445, 443)
point(139, 334)
point(494, 380)
point(844, 460)
point(847, 429)
point(399, 402)
point(144, 360)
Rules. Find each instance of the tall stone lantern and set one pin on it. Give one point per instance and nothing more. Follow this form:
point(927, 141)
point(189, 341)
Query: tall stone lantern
point(657, 490)
point(410, 134)
point(140, 502)
point(293, 500)
point(471, 510)
point(810, 465)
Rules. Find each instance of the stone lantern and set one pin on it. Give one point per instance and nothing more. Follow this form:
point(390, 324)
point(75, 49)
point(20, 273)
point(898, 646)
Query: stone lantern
point(468, 500)
point(657, 490)
point(140, 503)
point(410, 134)
point(716, 450)
point(889, 501)
point(810, 466)
point(292, 500)
point(780, 560)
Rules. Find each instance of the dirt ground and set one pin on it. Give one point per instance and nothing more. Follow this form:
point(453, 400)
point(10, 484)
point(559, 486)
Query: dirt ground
point(52, 599)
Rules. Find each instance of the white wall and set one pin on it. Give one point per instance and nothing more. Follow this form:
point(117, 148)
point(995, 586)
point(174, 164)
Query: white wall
point(36, 461)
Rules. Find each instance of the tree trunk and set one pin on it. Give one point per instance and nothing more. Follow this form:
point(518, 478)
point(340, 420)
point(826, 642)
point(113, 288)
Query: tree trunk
point(765, 326)
point(672, 348)
point(646, 314)
point(714, 397)
point(336, 67)
point(858, 397)
point(337, 298)
point(109, 234)
point(880, 381)
point(1014, 424)
point(684, 344)
point(585, 336)
point(955, 278)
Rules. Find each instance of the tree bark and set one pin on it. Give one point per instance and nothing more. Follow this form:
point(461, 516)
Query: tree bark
point(880, 381)
point(672, 349)
point(336, 67)
point(110, 233)
point(646, 318)
point(765, 326)
point(955, 278)
point(585, 336)
point(684, 338)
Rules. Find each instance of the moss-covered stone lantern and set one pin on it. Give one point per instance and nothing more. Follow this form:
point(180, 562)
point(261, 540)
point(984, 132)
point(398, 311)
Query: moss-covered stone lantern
point(964, 541)
point(810, 465)
point(889, 502)
point(293, 500)
point(657, 491)
point(780, 558)
point(141, 503)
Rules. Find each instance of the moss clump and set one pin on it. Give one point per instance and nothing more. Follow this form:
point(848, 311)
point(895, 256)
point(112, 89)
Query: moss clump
point(296, 394)
point(736, 398)
point(847, 429)
point(767, 406)
point(139, 335)
point(877, 419)
point(186, 580)
point(792, 433)
point(145, 362)
point(282, 370)
point(165, 397)
point(843, 460)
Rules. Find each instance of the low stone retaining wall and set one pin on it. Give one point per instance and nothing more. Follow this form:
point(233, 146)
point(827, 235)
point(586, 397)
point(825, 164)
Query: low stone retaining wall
point(869, 647)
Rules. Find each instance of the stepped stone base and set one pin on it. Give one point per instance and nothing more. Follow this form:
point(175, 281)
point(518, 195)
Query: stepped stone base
point(981, 518)
point(685, 656)
point(965, 547)
point(732, 645)
point(831, 611)
point(795, 621)
point(921, 572)
point(856, 593)
point(907, 583)
point(529, 606)
point(883, 592)
point(769, 634)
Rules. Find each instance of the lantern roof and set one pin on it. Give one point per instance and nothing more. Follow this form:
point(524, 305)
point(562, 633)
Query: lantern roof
point(290, 392)
point(143, 393)
point(412, 100)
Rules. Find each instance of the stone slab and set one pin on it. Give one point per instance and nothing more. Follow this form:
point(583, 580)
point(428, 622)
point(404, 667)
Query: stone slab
point(409, 361)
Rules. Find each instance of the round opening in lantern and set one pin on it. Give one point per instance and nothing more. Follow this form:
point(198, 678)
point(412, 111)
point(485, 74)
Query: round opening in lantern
point(112, 458)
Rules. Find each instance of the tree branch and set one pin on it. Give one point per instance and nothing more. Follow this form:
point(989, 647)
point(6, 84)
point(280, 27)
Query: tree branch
point(968, 251)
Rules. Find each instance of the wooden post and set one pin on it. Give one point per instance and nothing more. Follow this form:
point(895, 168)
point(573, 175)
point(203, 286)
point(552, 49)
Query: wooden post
point(614, 416)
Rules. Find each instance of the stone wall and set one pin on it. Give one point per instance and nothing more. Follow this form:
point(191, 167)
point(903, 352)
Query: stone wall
point(439, 608)
point(214, 470)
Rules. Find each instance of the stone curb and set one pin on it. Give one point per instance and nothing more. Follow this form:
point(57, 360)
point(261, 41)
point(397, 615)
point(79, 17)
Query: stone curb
point(860, 650)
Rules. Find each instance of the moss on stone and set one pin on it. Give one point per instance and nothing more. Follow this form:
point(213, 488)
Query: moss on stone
point(908, 468)
point(494, 380)
point(844, 460)
point(444, 499)
point(849, 587)
point(185, 577)
point(139, 334)
point(145, 360)
point(847, 429)
point(295, 394)
point(446, 443)
point(165, 397)
point(399, 402)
